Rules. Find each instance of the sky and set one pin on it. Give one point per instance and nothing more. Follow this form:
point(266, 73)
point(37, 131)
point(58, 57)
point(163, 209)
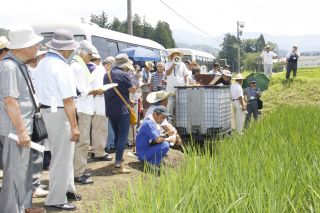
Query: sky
point(213, 18)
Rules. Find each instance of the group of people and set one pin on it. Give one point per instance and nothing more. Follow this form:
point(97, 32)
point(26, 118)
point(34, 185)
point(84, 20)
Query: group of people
point(292, 57)
point(80, 114)
point(244, 103)
point(67, 80)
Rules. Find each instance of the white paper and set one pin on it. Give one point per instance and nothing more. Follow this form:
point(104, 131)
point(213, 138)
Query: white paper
point(33, 145)
point(108, 86)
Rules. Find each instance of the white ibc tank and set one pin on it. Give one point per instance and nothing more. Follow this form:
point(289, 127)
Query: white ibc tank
point(203, 110)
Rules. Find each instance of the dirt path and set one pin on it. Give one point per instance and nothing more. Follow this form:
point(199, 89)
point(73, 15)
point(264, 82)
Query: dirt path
point(100, 194)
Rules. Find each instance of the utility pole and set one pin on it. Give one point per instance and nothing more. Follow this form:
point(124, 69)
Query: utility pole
point(129, 18)
point(240, 26)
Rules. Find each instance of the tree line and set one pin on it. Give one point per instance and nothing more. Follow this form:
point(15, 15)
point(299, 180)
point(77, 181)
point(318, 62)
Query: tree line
point(141, 28)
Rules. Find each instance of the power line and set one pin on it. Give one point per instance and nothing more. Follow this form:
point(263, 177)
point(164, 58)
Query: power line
point(197, 28)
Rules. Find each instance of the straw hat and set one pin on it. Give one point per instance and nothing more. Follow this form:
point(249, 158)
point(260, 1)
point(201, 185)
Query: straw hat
point(174, 51)
point(155, 97)
point(123, 61)
point(239, 77)
point(62, 40)
point(23, 38)
point(149, 64)
point(4, 42)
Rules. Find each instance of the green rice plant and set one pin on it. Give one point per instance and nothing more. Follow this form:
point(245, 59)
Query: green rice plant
point(274, 167)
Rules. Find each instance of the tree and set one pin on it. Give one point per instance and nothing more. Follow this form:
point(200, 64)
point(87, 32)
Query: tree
point(249, 45)
point(229, 50)
point(100, 20)
point(251, 61)
point(117, 25)
point(163, 35)
point(148, 30)
point(260, 43)
point(137, 26)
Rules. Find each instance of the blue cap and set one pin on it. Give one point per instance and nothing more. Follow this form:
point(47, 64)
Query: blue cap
point(162, 110)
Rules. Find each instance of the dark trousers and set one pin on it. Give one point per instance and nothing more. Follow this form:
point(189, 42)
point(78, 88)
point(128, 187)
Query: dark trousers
point(252, 108)
point(293, 67)
point(120, 125)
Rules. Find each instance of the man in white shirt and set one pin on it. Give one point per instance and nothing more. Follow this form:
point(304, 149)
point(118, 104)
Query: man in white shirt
point(267, 55)
point(85, 108)
point(177, 74)
point(55, 90)
point(238, 104)
point(99, 131)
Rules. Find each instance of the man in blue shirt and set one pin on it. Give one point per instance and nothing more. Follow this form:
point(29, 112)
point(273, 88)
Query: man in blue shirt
point(251, 94)
point(151, 146)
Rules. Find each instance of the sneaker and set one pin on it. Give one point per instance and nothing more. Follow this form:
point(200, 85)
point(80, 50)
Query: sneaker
point(39, 192)
point(121, 170)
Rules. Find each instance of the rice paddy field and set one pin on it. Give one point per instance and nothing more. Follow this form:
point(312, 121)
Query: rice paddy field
point(273, 167)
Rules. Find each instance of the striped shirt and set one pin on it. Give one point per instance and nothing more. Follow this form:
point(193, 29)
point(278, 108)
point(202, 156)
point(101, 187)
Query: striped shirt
point(156, 81)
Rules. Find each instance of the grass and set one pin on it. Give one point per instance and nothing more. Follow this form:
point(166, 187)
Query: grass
point(274, 167)
point(304, 90)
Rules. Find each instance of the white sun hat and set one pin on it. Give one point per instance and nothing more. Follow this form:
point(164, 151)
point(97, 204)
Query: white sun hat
point(22, 38)
point(4, 42)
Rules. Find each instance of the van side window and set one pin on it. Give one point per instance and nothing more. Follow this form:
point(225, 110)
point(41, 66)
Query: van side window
point(105, 47)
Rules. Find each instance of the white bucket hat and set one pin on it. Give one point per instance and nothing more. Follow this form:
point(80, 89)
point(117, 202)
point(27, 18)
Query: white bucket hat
point(4, 42)
point(226, 73)
point(23, 38)
point(88, 47)
point(62, 40)
point(123, 61)
point(154, 97)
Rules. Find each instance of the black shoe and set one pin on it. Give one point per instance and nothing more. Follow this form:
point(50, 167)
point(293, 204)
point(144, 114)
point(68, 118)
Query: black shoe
point(83, 180)
point(104, 158)
point(73, 196)
point(66, 206)
point(110, 150)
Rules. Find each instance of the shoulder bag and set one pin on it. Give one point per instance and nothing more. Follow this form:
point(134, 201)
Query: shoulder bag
point(133, 116)
point(39, 128)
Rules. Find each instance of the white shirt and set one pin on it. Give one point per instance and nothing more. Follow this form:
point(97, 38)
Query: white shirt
point(84, 103)
point(54, 80)
point(216, 72)
point(98, 101)
point(176, 78)
point(267, 57)
point(236, 90)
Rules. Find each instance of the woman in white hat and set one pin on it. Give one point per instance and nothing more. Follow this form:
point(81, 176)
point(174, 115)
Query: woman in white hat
point(238, 103)
point(17, 111)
